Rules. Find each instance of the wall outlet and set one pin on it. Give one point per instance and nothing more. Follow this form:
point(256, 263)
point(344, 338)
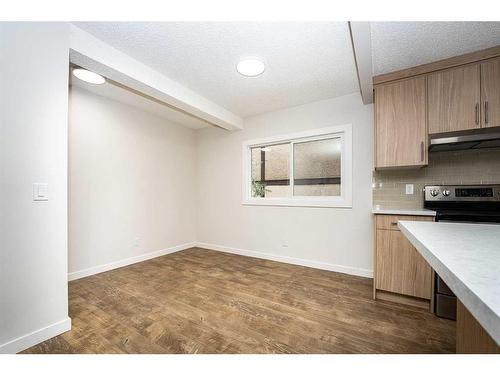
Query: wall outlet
point(409, 189)
point(137, 241)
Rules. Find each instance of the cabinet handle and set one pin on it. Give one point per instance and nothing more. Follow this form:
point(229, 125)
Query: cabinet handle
point(394, 223)
point(477, 113)
point(485, 112)
point(422, 151)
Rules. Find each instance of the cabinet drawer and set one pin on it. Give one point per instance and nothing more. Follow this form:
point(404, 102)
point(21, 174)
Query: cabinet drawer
point(391, 221)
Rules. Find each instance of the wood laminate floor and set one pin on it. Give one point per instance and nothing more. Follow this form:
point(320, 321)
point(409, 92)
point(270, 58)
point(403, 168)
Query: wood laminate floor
point(202, 301)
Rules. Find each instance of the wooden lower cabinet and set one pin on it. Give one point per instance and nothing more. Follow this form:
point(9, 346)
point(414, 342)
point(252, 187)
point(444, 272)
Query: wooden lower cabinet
point(400, 268)
point(471, 336)
point(400, 271)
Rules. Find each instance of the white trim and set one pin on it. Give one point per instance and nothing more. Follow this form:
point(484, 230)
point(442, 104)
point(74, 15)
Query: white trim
point(27, 341)
point(362, 50)
point(298, 135)
point(343, 201)
point(127, 261)
point(290, 260)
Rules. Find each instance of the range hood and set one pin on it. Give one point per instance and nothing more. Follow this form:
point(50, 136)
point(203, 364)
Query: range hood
point(478, 140)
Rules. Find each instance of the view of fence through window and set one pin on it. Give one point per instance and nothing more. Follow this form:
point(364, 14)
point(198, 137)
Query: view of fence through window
point(316, 169)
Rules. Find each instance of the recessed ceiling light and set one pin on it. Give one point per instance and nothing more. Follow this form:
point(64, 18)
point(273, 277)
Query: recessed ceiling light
point(88, 76)
point(250, 67)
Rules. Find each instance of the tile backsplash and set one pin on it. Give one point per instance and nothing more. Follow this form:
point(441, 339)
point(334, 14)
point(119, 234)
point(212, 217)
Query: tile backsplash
point(452, 167)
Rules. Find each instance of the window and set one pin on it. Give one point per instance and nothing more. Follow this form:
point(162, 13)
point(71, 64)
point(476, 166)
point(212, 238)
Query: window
point(310, 168)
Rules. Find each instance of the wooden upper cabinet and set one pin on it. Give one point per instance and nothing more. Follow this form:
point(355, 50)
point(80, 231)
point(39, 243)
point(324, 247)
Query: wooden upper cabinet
point(490, 93)
point(455, 94)
point(400, 118)
point(454, 99)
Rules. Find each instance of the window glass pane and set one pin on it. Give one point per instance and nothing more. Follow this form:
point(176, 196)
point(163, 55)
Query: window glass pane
point(316, 167)
point(270, 171)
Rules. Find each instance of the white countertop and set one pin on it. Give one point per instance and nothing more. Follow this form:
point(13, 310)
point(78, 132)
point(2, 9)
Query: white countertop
point(467, 258)
point(395, 211)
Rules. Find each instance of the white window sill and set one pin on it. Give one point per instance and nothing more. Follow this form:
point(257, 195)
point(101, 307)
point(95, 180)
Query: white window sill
point(326, 203)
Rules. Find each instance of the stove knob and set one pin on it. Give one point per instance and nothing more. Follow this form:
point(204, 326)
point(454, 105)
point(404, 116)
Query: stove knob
point(434, 192)
point(446, 192)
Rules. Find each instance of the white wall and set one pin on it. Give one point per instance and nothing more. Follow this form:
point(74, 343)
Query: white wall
point(33, 148)
point(140, 184)
point(132, 184)
point(331, 238)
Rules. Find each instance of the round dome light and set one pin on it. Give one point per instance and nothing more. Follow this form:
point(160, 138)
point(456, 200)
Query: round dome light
point(250, 67)
point(88, 76)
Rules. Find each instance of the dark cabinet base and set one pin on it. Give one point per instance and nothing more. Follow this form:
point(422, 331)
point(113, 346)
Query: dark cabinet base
point(446, 306)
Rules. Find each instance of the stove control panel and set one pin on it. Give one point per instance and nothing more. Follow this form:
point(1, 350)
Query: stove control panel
point(473, 193)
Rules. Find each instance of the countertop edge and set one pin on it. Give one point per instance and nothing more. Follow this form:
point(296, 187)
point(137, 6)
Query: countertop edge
point(483, 314)
point(414, 212)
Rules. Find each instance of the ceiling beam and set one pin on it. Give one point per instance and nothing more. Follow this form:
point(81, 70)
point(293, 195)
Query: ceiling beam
point(362, 50)
point(91, 53)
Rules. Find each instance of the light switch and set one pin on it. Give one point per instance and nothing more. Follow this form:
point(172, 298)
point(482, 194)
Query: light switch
point(409, 189)
point(40, 191)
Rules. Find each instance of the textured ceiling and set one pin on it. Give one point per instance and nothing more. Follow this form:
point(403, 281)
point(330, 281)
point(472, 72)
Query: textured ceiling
point(127, 97)
point(400, 45)
point(305, 62)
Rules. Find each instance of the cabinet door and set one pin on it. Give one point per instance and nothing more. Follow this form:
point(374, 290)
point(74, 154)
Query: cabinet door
point(454, 99)
point(490, 95)
point(399, 266)
point(401, 124)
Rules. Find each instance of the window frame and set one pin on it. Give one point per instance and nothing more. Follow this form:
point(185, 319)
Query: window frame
point(344, 200)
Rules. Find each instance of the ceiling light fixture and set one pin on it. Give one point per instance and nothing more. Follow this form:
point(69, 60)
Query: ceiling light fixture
point(250, 67)
point(88, 76)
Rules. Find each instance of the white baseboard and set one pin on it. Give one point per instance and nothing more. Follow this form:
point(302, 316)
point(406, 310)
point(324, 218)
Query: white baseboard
point(35, 337)
point(127, 261)
point(286, 259)
point(250, 253)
